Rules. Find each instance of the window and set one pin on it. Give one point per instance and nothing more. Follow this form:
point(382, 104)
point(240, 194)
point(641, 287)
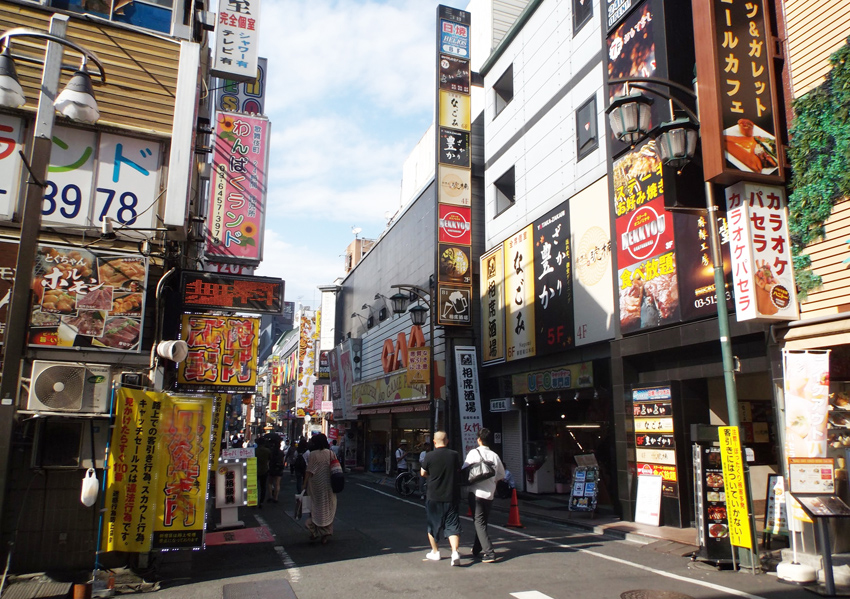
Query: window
point(586, 130)
point(504, 89)
point(157, 15)
point(582, 13)
point(382, 314)
point(505, 190)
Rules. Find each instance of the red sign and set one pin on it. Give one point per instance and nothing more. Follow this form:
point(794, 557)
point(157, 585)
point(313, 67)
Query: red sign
point(455, 224)
point(203, 290)
point(644, 233)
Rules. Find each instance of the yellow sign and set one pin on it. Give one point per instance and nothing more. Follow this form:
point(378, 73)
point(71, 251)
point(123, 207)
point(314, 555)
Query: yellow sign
point(455, 110)
point(735, 487)
point(251, 472)
point(419, 365)
point(222, 353)
point(390, 388)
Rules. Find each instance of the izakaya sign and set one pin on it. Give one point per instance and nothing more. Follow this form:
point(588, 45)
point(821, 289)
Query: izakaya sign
point(761, 253)
point(238, 192)
point(237, 40)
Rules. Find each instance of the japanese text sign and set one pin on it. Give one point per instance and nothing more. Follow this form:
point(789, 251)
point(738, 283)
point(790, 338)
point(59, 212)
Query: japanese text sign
point(519, 295)
point(237, 40)
point(454, 31)
point(571, 376)
point(222, 353)
point(812, 475)
point(739, 121)
point(393, 388)
point(655, 445)
point(735, 487)
point(419, 366)
point(238, 190)
point(762, 269)
point(87, 298)
point(553, 282)
point(469, 397)
point(257, 295)
point(493, 307)
point(306, 374)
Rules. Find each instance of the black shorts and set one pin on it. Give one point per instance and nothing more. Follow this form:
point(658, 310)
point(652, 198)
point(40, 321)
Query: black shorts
point(443, 519)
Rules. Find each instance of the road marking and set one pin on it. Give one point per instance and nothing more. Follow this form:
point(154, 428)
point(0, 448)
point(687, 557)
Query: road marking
point(530, 595)
point(616, 560)
point(288, 564)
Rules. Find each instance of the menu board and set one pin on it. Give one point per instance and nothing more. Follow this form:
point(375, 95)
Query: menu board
point(655, 445)
point(775, 512)
point(812, 475)
point(585, 489)
point(709, 489)
point(824, 506)
point(87, 298)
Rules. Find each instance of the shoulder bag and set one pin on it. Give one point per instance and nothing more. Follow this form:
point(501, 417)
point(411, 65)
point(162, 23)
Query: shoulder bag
point(481, 470)
point(337, 476)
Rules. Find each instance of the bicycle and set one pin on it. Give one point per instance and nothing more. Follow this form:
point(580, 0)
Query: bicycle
point(406, 483)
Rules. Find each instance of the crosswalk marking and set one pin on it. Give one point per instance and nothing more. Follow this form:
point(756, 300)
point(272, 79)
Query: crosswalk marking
point(530, 595)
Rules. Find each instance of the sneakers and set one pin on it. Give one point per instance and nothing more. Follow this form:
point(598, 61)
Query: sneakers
point(434, 556)
point(488, 559)
point(455, 558)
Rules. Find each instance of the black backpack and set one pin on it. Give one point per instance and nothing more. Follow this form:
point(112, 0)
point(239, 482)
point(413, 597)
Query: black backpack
point(300, 463)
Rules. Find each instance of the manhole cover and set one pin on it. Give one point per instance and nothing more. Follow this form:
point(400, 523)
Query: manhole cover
point(653, 594)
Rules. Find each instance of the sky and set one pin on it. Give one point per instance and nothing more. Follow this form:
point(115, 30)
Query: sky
point(350, 93)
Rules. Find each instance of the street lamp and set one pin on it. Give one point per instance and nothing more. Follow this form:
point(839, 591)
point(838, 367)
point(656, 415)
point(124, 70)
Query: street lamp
point(400, 302)
point(75, 102)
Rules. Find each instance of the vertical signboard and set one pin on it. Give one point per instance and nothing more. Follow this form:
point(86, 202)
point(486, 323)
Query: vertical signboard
point(11, 132)
point(761, 253)
point(243, 96)
point(735, 487)
point(519, 295)
point(453, 162)
point(553, 282)
point(237, 203)
point(222, 353)
point(806, 384)
point(593, 294)
point(655, 444)
point(469, 397)
point(695, 268)
point(306, 376)
point(237, 40)
point(739, 120)
point(710, 494)
point(493, 307)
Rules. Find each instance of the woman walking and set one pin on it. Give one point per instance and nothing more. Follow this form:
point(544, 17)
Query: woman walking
point(317, 482)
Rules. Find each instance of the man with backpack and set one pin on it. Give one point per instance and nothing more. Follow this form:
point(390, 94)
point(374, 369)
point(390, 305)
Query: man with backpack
point(299, 465)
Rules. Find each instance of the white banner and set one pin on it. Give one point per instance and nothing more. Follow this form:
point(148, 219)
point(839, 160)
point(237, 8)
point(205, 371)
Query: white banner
point(806, 403)
point(469, 397)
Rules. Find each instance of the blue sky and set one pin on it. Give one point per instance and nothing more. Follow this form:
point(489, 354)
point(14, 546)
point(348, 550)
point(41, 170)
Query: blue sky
point(350, 93)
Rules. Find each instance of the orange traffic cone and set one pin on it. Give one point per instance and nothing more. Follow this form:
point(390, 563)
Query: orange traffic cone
point(469, 513)
point(513, 516)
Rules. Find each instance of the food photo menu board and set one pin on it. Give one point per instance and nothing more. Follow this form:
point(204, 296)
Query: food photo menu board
point(710, 491)
point(88, 298)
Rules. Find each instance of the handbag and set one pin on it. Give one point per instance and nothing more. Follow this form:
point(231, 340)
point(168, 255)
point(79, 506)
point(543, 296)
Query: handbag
point(481, 470)
point(302, 505)
point(337, 476)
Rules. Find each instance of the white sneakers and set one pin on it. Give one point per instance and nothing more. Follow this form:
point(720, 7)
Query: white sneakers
point(455, 558)
point(433, 556)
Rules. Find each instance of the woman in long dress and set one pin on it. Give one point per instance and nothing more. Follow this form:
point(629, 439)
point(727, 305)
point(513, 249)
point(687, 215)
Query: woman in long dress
point(317, 481)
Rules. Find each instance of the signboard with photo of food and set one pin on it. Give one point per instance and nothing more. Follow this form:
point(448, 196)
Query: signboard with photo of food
point(87, 298)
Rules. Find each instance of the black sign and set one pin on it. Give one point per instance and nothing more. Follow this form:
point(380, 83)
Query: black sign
point(710, 491)
point(553, 291)
point(454, 147)
point(455, 306)
point(454, 74)
point(617, 9)
point(214, 291)
point(697, 297)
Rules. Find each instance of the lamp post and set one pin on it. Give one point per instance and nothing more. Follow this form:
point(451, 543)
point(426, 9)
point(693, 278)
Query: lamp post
point(676, 142)
point(75, 102)
point(417, 316)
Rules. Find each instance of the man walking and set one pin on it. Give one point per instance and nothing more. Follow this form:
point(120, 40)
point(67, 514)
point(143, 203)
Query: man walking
point(401, 456)
point(481, 496)
point(442, 467)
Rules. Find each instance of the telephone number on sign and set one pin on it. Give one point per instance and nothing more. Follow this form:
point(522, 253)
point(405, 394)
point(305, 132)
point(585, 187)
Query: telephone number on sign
point(68, 202)
point(709, 300)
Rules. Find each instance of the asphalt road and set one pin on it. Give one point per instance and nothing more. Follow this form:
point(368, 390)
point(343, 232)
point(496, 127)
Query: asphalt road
point(380, 541)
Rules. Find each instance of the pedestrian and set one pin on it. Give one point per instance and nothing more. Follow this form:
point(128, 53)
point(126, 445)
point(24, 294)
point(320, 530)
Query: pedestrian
point(425, 447)
point(290, 457)
point(263, 455)
point(275, 472)
point(335, 448)
point(299, 465)
point(401, 456)
point(442, 468)
point(317, 482)
point(481, 496)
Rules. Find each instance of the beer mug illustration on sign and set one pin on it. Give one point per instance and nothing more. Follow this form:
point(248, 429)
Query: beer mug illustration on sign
point(457, 304)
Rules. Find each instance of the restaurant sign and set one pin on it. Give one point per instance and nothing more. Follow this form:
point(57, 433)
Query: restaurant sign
point(222, 353)
point(572, 376)
point(209, 291)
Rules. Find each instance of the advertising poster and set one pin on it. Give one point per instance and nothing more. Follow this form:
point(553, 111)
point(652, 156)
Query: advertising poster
point(646, 260)
point(455, 186)
point(237, 203)
point(455, 225)
point(455, 264)
point(306, 366)
point(419, 365)
point(735, 487)
point(11, 144)
point(388, 389)
point(593, 294)
point(87, 298)
point(251, 492)
point(347, 352)
point(237, 40)
point(519, 295)
point(696, 271)
point(761, 253)
point(222, 353)
point(208, 291)
point(712, 516)
point(493, 307)
point(184, 450)
point(132, 480)
point(553, 283)
point(469, 397)
point(806, 384)
point(219, 412)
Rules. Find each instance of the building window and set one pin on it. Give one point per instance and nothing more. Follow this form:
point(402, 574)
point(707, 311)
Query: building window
point(504, 89)
point(582, 13)
point(370, 322)
point(148, 14)
point(586, 130)
point(505, 190)
point(382, 314)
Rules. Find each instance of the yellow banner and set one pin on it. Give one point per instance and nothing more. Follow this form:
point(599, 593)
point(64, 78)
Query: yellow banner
point(222, 353)
point(251, 486)
point(184, 450)
point(219, 410)
point(131, 480)
point(419, 367)
point(735, 487)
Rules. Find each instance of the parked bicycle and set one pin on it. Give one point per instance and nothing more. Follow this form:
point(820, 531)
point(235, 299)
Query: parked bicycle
point(407, 481)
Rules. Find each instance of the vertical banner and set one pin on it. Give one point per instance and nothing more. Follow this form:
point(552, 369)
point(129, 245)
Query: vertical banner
point(806, 386)
point(132, 478)
point(452, 166)
point(735, 487)
point(419, 365)
point(217, 436)
point(519, 295)
point(184, 450)
point(493, 307)
point(252, 496)
point(469, 397)
point(553, 283)
point(761, 253)
point(306, 371)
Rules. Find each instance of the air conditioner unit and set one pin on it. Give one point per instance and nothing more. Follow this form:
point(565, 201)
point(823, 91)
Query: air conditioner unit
point(69, 387)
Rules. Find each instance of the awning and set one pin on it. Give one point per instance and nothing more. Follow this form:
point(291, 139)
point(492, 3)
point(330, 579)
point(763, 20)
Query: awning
point(815, 333)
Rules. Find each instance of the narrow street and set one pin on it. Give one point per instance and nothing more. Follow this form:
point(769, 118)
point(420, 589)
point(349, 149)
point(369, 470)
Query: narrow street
point(380, 542)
